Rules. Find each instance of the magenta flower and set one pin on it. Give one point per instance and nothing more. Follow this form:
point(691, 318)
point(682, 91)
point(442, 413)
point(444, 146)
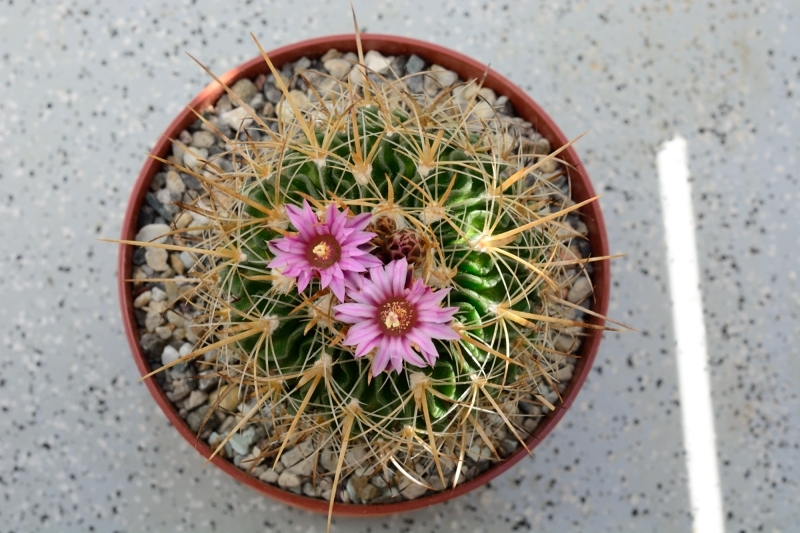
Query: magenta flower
point(331, 248)
point(396, 317)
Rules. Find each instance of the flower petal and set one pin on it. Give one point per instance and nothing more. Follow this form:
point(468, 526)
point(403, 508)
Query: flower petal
point(355, 311)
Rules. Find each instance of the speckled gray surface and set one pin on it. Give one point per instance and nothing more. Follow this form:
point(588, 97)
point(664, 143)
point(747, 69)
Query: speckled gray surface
point(85, 88)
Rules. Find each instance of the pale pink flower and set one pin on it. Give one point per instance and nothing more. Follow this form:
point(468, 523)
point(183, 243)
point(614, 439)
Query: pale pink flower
point(331, 248)
point(397, 318)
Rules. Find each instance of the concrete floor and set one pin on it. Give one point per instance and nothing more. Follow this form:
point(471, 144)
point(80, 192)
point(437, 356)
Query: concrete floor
point(86, 87)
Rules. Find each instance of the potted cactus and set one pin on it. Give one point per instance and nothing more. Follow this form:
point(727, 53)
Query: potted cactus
point(387, 280)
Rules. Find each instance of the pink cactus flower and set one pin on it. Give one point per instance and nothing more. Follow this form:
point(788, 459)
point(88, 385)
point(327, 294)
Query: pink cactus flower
point(398, 318)
point(331, 248)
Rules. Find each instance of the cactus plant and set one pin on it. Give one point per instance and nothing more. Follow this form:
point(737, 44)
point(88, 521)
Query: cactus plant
point(380, 269)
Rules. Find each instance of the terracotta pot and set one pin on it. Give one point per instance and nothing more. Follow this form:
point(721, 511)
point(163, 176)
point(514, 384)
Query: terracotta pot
point(466, 68)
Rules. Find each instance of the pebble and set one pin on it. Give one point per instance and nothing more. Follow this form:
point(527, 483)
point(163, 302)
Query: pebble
point(153, 320)
point(563, 374)
point(466, 92)
point(333, 53)
point(273, 94)
point(164, 332)
point(580, 290)
point(157, 294)
point(291, 456)
point(152, 345)
point(284, 110)
point(203, 139)
point(223, 105)
point(178, 149)
point(241, 442)
point(364, 491)
point(143, 299)
point(230, 401)
point(437, 78)
point(196, 399)
point(175, 319)
point(175, 184)
point(488, 95)
point(328, 459)
point(181, 388)
point(244, 89)
point(414, 64)
point(304, 467)
point(288, 480)
point(169, 355)
point(165, 197)
point(376, 62)
point(194, 159)
point(205, 383)
point(564, 343)
point(157, 307)
point(270, 476)
point(338, 68)
point(237, 118)
point(228, 424)
point(195, 420)
point(483, 111)
point(257, 101)
point(186, 259)
point(549, 165)
point(156, 258)
point(152, 233)
point(410, 490)
point(183, 220)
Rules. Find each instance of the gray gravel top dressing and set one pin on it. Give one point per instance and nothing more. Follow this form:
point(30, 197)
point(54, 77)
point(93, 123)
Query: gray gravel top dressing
point(85, 89)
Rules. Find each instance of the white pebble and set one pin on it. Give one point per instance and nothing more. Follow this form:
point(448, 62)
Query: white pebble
point(175, 184)
point(376, 62)
point(175, 319)
point(164, 196)
point(483, 111)
point(186, 349)
point(158, 295)
point(488, 95)
point(186, 259)
point(156, 259)
point(338, 68)
point(284, 109)
point(169, 355)
point(195, 400)
point(303, 468)
point(202, 139)
point(143, 299)
point(291, 456)
point(193, 159)
point(445, 77)
point(152, 233)
point(270, 476)
point(288, 480)
point(237, 118)
point(580, 290)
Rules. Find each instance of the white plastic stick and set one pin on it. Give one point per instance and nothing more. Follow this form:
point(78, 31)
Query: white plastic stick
point(699, 437)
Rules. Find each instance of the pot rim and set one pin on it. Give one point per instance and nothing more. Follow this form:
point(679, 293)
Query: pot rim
point(467, 68)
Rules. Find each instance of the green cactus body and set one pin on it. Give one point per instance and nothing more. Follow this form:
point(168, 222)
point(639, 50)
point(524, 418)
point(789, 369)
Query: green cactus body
point(461, 183)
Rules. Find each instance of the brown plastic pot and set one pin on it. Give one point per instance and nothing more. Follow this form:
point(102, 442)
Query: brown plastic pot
point(467, 68)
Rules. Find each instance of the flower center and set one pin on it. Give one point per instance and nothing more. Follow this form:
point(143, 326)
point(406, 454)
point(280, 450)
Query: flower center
point(323, 251)
point(397, 317)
